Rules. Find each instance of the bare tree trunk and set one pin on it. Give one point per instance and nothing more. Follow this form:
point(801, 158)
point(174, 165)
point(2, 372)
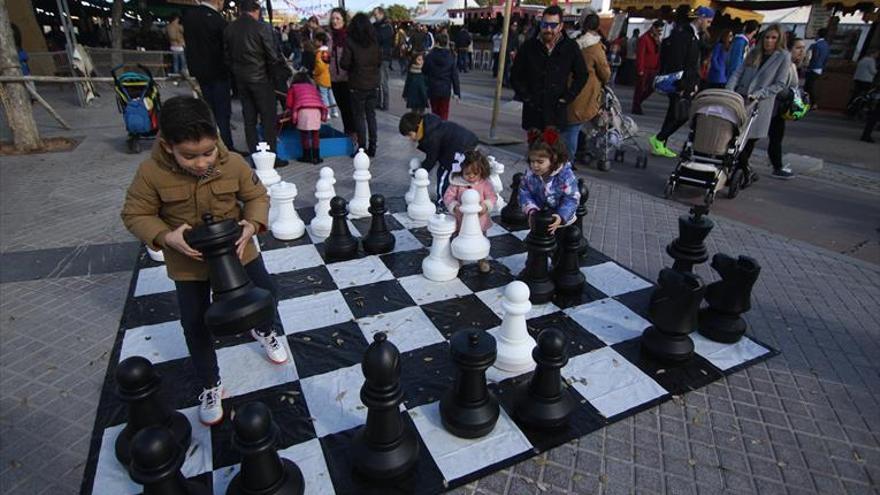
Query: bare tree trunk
point(116, 32)
point(15, 97)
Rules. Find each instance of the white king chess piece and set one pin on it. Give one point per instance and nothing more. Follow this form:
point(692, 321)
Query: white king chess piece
point(287, 225)
point(421, 208)
point(470, 244)
point(414, 164)
point(323, 222)
point(264, 161)
point(496, 168)
point(514, 342)
point(359, 205)
point(440, 266)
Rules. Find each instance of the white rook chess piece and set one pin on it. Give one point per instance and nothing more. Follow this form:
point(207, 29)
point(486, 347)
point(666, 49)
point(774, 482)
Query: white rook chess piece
point(421, 208)
point(157, 256)
point(323, 222)
point(514, 342)
point(414, 164)
point(496, 168)
point(359, 205)
point(470, 244)
point(440, 266)
point(264, 161)
point(327, 174)
point(287, 225)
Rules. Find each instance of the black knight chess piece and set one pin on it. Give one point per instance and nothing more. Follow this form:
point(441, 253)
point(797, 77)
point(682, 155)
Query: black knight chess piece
point(379, 239)
point(512, 213)
point(238, 305)
point(468, 409)
point(540, 244)
point(263, 471)
point(545, 401)
point(138, 385)
point(729, 298)
point(386, 447)
point(673, 312)
point(567, 275)
point(580, 213)
point(688, 249)
point(340, 245)
point(156, 459)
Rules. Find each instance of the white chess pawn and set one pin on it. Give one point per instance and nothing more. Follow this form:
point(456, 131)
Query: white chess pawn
point(496, 168)
point(264, 161)
point(323, 222)
point(359, 205)
point(421, 208)
point(327, 174)
point(440, 266)
point(514, 342)
point(287, 225)
point(414, 164)
point(157, 256)
point(470, 244)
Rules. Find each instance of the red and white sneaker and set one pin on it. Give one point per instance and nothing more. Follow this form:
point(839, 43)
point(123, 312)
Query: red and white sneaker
point(211, 408)
point(275, 351)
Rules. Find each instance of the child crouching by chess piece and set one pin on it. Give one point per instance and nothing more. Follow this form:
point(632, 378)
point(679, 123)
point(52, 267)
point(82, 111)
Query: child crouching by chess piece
point(307, 111)
point(550, 181)
point(188, 162)
point(470, 170)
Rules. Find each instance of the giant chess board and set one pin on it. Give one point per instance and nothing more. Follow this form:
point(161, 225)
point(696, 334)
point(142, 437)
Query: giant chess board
point(330, 313)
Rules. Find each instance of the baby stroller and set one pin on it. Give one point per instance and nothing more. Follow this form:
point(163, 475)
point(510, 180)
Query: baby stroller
point(613, 132)
point(719, 127)
point(138, 100)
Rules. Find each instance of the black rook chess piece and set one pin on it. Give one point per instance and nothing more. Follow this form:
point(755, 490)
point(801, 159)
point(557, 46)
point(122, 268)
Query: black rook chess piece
point(567, 273)
point(540, 245)
point(156, 459)
point(673, 312)
point(468, 409)
point(138, 384)
point(688, 249)
point(580, 213)
point(545, 401)
point(386, 447)
point(512, 213)
point(340, 245)
point(263, 471)
point(238, 305)
point(729, 298)
point(379, 240)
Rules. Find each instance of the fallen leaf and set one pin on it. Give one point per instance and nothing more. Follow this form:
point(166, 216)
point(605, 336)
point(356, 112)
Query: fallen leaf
point(340, 396)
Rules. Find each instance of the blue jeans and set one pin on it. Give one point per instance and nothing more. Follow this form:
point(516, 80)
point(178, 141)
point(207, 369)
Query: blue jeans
point(570, 135)
point(178, 62)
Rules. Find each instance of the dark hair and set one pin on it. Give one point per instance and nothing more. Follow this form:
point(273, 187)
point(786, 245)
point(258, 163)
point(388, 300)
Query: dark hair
point(553, 10)
point(636, 32)
point(474, 158)
point(184, 118)
point(658, 24)
point(751, 26)
point(548, 142)
point(443, 40)
point(409, 122)
point(822, 32)
point(791, 41)
point(414, 56)
point(379, 10)
point(321, 37)
point(591, 23)
point(173, 16)
point(248, 5)
point(301, 76)
point(361, 31)
point(340, 11)
point(722, 38)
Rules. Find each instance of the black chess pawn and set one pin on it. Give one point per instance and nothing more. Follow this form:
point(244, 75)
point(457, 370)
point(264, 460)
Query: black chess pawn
point(673, 312)
point(688, 249)
point(567, 275)
point(540, 244)
point(386, 447)
point(263, 471)
point(512, 214)
point(468, 409)
point(729, 298)
point(580, 213)
point(545, 401)
point(340, 245)
point(138, 385)
point(379, 239)
point(156, 459)
point(238, 305)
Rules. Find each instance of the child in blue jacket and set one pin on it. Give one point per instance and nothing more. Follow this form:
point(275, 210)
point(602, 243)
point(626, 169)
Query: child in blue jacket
point(550, 182)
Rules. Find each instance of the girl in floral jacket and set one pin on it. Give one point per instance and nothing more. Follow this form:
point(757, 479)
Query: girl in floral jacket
point(550, 182)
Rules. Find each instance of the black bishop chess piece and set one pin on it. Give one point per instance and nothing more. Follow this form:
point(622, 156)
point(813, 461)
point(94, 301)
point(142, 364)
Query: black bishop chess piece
point(673, 312)
point(580, 213)
point(156, 459)
point(263, 471)
point(379, 240)
point(138, 385)
point(468, 409)
point(340, 245)
point(729, 298)
point(238, 305)
point(567, 275)
point(545, 401)
point(386, 447)
point(512, 214)
point(688, 249)
point(541, 245)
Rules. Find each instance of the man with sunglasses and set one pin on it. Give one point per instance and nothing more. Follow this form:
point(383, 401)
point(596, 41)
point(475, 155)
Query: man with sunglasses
point(548, 73)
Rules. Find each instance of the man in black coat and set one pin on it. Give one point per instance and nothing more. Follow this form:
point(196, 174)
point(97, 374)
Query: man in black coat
point(385, 37)
point(548, 73)
point(463, 42)
point(203, 33)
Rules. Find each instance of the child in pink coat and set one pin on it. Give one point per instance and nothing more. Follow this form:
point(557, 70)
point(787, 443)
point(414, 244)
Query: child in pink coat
point(307, 112)
point(471, 171)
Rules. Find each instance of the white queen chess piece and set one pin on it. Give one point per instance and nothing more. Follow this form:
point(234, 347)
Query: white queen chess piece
point(496, 169)
point(514, 342)
point(421, 208)
point(414, 164)
point(323, 222)
point(440, 266)
point(359, 205)
point(264, 161)
point(287, 225)
point(470, 244)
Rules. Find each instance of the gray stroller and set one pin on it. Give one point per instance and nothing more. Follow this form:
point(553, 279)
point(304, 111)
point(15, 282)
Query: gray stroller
point(613, 133)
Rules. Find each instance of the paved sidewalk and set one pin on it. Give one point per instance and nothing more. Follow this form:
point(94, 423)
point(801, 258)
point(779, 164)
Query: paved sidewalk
point(804, 422)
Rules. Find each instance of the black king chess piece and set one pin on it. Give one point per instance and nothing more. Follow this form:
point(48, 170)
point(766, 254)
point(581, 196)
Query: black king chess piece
point(688, 249)
point(729, 298)
point(263, 471)
point(545, 401)
point(580, 213)
point(379, 239)
point(340, 245)
point(238, 305)
point(156, 459)
point(386, 447)
point(512, 213)
point(673, 312)
point(540, 244)
point(138, 385)
point(468, 409)
point(567, 273)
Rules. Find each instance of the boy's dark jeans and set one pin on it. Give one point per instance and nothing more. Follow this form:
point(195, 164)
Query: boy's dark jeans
point(193, 299)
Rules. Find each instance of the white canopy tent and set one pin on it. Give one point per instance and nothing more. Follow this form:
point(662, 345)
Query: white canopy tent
point(440, 14)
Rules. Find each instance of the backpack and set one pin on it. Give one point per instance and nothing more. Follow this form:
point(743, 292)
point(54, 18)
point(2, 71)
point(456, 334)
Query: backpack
point(137, 117)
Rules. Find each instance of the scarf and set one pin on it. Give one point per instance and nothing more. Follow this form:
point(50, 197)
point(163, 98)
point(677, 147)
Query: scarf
point(415, 69)
point(420, 133)
point(339, 37)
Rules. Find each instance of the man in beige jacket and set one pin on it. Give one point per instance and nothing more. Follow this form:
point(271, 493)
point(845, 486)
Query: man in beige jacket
point(174, 30)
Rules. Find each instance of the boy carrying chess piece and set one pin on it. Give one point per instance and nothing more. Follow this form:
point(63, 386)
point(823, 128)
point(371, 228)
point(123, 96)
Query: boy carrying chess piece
point(471, 171)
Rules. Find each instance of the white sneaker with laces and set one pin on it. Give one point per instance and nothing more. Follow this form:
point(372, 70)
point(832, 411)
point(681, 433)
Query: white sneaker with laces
point(211, 408)
point(275, 351)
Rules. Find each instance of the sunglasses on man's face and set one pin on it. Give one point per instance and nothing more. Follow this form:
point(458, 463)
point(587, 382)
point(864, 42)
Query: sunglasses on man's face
point(549, 25)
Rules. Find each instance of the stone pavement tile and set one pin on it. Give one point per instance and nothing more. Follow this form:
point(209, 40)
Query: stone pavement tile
point(494, 483)
point(557, 476)
point(584, 483)
point(648, 480)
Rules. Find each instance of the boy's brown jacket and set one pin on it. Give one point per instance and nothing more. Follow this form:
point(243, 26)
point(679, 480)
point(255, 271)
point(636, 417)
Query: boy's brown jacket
point(163, 196)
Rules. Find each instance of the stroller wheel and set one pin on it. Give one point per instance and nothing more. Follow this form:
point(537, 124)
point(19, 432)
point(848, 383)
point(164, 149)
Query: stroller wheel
point(642, 161)
point(618, 156)
point(134, 146)
point(734, 184)
point(669, 190)
point(603, 165)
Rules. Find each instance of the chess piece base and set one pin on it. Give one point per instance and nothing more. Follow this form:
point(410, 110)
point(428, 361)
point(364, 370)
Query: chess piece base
point(667, 347)
point(541, 412)
point(540, 291)
point(469, 422)
point(385, 462)
point(515, 357)
point(177, 424)
point(379, 244)
point(721, 327)
point(436, 270)
point(237, 313)
point(292, 483)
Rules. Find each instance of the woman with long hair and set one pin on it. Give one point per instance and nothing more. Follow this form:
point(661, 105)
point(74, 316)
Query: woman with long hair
point(362, 59)
point(338, 75)
point(718, 63)
point(776, 133)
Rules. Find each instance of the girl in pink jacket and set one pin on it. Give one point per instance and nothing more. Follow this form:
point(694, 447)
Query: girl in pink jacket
point(307, 112)
point(471, 171)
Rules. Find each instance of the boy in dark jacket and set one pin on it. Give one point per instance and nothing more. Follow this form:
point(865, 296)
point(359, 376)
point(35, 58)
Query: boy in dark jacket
point(442, 76)
point(440, 141)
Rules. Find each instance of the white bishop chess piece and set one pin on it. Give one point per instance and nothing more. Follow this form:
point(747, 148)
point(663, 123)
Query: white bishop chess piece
point(287, 225)
point(440, 266)
point(496, 168)
point(327, 174)
point(264, 161)
point(470, 244)
point(359, 205)
point(323, 222)
point(414, 164)
point(514, 342)
point(421, 208)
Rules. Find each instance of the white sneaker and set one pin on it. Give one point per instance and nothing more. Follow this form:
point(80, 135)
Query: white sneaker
point(275, 351)
point(211, 409)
